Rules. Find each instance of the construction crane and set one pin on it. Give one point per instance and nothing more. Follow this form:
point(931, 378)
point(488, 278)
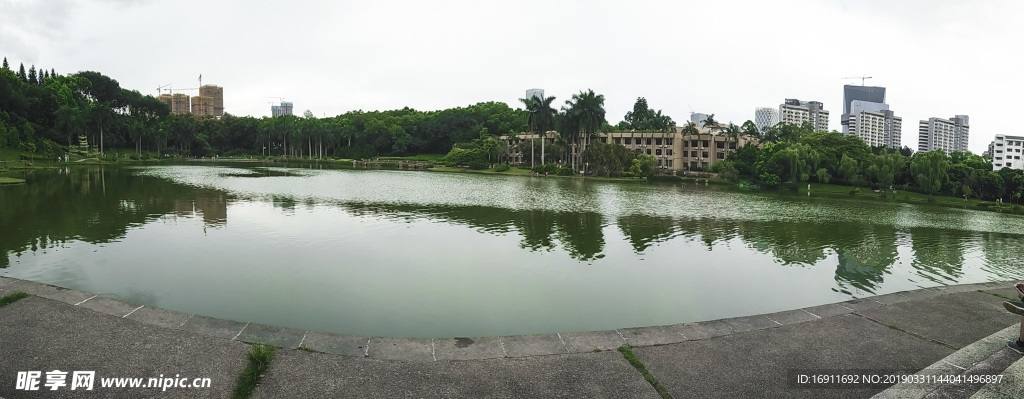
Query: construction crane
point(159, 90)
point(862, 78)
point(279, 98)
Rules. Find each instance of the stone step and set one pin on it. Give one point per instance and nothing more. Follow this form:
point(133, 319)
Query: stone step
point(1011, 385)
point(988, 355)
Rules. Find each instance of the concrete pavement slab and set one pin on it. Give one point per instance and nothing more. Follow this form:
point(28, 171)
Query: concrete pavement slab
point(533, 345)
point(271, 335)
point(55, 336)
point(933, 318)
point(220, 328)
point(468, 348)
point(750, 323)
point(648, 336)
point(593, 341)
point(861, 304)
point(347, 345)
point(109, 306)
point(759, 363)
point(792, 317)
point(412, 349)
point(828, 310)
point(159, 317)
point(704, 329)
point(580, 375)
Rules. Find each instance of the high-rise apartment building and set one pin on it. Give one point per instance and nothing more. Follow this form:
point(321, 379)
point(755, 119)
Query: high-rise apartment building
point(943, 134)
point(797, 112)
point(202, 106)
point(535, 93)
point(280, 110)
point(179, 103)
point(215, 94)
point(877, 127)
point(765, 117)
point(1006, 152)
point(871, 94)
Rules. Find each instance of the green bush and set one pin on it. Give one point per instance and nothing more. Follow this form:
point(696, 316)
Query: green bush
point(501, 168)
point(477, 163)
point(564, 171)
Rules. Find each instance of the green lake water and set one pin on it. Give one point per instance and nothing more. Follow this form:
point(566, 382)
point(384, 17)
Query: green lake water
point(425, 254)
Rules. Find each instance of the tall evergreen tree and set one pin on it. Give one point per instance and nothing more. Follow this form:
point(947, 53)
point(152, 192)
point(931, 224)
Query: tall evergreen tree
point(32, 78)
point(46, 75)
point(5, 64)
point(52, 73)
point(21, 73)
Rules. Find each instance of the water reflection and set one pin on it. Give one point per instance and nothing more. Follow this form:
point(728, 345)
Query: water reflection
point(99, 205)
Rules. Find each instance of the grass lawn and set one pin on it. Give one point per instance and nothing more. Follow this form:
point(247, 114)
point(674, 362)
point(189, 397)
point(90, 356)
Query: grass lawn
point(436, 158)
point(512, 171)
point(908, 197)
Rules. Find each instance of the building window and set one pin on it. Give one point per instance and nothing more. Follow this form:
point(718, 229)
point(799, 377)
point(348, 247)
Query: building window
point(693, 154)
point(704, 143)
point(720, 145)
point(670, 163)
point(732, 145)
point(657, 141)
point(669, 142)
point(618, 140)
point(704, 154)
point(648, 151)
point(669, 152)
point(720, 155)
point(657, 152)
point(648, 141)
point(693, 143)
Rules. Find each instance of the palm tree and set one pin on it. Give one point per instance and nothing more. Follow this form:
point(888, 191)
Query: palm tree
point(586, 113)
point(102, 115)
point(531, 119)
point(733, 132)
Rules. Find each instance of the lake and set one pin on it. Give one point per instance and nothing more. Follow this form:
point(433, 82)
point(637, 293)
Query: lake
point(429, 254)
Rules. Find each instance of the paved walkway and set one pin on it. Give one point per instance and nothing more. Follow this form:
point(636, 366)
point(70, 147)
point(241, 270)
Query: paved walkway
point(756, 356)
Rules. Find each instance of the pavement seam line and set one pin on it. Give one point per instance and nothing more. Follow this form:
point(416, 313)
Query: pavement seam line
point(133, 311)
point(303, 338)
point(502, 347)
point(773, 320)
point(432, 353)
point(812, 314)
point(86, 300)
point(621, 336)
point(186, 320)
point(951, 364)
point(563, 342)
point(845, 307)
point(367, 352)
point(684, 336)
point(919, 336)
point(240, 332)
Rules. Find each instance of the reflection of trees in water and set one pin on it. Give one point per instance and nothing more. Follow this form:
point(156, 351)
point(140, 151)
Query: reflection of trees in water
point(644, 231)
point(94, 205)
point(580, 233)
point(865, 258)
point(1004, 255)
point(939, 253)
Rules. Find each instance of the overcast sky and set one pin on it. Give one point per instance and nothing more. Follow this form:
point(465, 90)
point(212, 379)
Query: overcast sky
point(937, 58)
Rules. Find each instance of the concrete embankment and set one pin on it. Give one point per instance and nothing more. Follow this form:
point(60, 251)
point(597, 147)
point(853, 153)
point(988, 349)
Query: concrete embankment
point(754, 356)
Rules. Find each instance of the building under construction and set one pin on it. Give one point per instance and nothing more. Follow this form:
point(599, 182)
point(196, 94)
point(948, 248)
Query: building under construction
point(209, 102)
point(178, 102)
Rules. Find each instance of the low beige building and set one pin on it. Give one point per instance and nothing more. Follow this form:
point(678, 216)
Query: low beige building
point(674, 151)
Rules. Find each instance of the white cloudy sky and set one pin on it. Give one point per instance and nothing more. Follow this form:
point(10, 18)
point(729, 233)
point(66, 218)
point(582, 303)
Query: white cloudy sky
point(937, 58)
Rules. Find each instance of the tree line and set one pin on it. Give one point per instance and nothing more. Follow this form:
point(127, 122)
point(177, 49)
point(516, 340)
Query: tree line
point(791, 155)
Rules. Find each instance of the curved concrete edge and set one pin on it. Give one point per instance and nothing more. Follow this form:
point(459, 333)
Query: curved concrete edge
point(426, 349)
point(956, 363)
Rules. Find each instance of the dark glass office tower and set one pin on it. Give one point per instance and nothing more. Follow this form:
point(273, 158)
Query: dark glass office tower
point(873, 94)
